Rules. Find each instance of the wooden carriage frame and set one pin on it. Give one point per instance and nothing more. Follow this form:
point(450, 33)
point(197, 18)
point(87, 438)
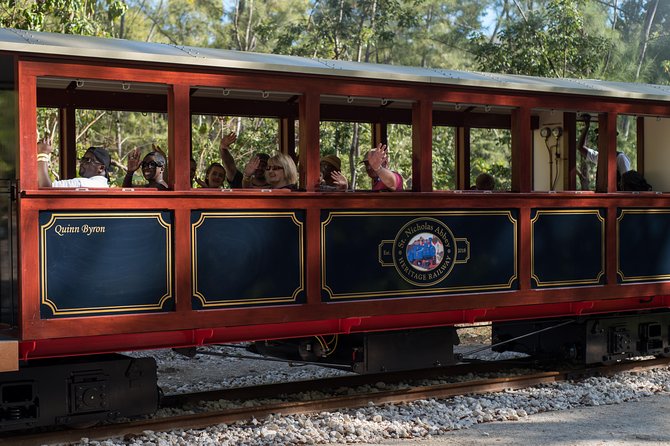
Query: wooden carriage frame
point(185, 326)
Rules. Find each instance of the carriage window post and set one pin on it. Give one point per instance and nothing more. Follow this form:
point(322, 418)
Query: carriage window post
point(287, 136)
point(422, 146)
point(27, 97)
point(309, 116)
point(179, 134)
point(463, 158)
point(570, 144)
point(521, 150)
point(67, 132)
point(379, 133)
point(640, 144)
point(606, 180)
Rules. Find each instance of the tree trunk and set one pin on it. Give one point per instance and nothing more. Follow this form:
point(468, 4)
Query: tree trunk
point(648, 20)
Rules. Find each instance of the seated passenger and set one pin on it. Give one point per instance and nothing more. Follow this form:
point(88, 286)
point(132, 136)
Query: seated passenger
point(214, 176)
point(281, 172)
point(484, 181)
point(153, 166)
point(232, 174)
point(254, 173)
point(94, 168)
point(634, 181)
point(330, 178)
point(376, 165)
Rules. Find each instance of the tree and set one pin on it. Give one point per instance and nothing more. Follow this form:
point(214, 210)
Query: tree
point(548, 42)
point(85, 17)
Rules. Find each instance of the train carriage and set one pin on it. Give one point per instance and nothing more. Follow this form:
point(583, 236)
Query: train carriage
point(88, 272)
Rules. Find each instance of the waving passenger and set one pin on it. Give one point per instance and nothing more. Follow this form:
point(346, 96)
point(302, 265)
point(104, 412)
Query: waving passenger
point(94, 168)
point(153, 166)
point(254, 172)
point(376, 165)
point(232, 175)
point(331, 178)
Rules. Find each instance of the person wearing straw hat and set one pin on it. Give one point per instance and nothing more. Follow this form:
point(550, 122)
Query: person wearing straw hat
point(331, 178)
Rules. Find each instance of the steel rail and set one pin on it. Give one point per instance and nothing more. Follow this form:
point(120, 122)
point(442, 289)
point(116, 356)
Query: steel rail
point(203, 420)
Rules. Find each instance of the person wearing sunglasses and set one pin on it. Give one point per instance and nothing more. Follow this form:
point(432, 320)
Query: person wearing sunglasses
point(153, 166)
point(281, 172)
point(94, 168)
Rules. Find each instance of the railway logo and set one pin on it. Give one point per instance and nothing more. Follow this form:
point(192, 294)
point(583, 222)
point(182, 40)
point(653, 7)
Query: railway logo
point(424, 251)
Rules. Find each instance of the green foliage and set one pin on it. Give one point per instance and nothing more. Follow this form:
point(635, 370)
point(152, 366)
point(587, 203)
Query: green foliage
point(548, 42)
point(85, 17)
point(444, 158)
point(491, 152)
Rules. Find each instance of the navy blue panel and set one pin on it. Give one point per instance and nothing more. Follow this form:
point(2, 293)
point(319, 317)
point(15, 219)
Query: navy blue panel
point(95, 263)
point(368, 254)
point(247, 258)
point(567, 247)
point(644, 245)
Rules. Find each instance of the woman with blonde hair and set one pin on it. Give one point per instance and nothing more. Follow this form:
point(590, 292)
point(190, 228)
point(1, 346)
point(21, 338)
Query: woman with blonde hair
point(281, 172)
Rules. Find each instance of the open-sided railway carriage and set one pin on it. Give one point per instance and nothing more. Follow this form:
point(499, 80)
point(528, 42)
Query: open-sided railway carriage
point(86, 273)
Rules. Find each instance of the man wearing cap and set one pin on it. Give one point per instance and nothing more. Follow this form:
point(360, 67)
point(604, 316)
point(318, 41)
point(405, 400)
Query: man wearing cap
point(93, 168)
point(331, 178)
point(376, 165)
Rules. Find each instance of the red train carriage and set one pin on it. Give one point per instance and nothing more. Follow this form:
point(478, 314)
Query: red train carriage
point(88, 272)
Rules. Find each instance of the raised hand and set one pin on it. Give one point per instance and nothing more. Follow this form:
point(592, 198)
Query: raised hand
point(45, 146)
point(134, 160)
point(339, 180)
point(252, 166)
point(227, 140)
point(378, 157)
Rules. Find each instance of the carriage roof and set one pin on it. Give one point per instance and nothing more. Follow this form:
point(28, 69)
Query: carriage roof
point(67, 45)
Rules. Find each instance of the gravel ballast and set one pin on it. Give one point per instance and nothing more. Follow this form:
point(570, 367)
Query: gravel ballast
point(420, 420)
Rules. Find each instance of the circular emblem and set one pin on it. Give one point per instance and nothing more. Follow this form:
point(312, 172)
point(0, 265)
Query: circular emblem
point(424, 251)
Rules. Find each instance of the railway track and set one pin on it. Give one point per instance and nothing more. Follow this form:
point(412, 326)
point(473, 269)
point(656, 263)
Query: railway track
point(327, 403)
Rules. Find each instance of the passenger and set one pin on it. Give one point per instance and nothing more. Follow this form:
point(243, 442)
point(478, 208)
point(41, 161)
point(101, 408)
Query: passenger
point(281, 172)
point(330, 178)
point(153, 166)
point(484, 181)
point(376, 165)
point(634, 181)
point(215, 176)
point(94, 168)
point(254, 173)
point(234, 177)
point(622, 161)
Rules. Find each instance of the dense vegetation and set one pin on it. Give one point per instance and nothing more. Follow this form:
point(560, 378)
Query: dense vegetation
point(624, 40)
